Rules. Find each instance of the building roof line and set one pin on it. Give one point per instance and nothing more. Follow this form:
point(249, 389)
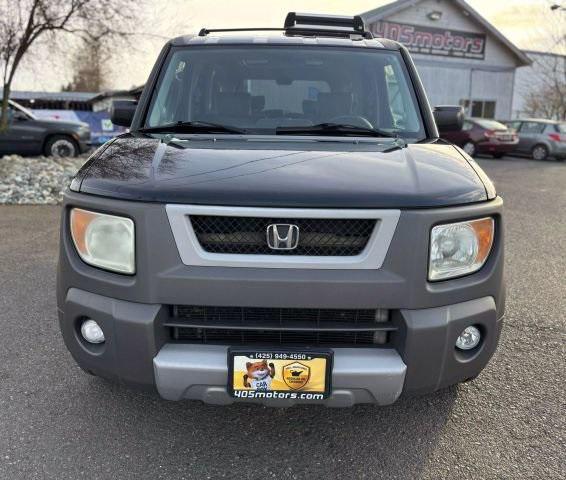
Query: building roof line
point(394, 7)
point(51, 96)
point(546, 54)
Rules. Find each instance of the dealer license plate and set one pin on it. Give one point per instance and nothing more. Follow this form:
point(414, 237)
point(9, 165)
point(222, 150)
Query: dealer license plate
point(279, 374)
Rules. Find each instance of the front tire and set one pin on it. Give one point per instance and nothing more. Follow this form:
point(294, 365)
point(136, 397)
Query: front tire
point(539, 152)
point(470, 148)
point(498, 155)
point(61, 146)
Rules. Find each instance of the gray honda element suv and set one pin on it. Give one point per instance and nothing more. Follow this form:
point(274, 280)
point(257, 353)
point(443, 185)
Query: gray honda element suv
point(282, 224)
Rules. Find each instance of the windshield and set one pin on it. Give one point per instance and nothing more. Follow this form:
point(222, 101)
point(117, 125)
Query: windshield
point(17, 106)
point(260, 89)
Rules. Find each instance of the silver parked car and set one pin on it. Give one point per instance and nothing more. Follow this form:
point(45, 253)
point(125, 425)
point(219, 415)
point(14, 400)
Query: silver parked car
point(540, 138)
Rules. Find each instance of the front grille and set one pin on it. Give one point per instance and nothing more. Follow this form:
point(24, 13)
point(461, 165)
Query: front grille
point(255, 337)
point(248, 235)
point(279, 326)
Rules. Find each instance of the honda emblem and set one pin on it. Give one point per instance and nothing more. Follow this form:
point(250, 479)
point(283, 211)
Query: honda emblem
point(282, 236)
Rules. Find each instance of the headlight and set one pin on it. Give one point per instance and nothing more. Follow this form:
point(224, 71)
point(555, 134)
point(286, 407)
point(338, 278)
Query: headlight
point(458, 249)
point(105, 241)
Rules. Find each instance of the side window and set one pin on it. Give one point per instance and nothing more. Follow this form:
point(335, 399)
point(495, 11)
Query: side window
point(15, 113)
point(532, 127)
point(550, 128)
point(402, 109)
point(394, 96)
point(514, 125)
point(168, 103)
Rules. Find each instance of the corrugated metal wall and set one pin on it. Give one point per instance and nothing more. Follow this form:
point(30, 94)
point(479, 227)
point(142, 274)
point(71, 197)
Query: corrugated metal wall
point(449, 85)
point(447, 80)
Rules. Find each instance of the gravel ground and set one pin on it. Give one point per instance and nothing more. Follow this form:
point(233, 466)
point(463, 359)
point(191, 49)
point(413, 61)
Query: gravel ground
point(35, 180)
point(57, 422)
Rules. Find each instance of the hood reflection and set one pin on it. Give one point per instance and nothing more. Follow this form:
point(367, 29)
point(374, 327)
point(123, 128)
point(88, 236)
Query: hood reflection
point(305, 174)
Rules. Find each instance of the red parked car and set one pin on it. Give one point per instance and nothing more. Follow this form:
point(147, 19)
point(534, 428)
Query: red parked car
point(480, 135)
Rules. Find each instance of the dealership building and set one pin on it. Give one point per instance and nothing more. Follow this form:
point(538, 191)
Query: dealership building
point(461, 58)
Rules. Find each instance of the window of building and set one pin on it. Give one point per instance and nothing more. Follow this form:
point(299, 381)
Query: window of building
point(488, 110)
point(479, 108)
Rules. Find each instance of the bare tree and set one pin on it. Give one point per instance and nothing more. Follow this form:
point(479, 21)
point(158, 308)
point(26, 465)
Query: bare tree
point(90, 67)
point(545, 95)
point(23, 22)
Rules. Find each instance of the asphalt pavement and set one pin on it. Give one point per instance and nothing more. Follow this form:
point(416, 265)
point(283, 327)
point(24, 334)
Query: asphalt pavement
point(56, 422)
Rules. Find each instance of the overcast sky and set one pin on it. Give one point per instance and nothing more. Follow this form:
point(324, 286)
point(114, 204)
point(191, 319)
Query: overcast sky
point(524, 22)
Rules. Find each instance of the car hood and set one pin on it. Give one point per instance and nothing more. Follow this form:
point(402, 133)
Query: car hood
point(282, 172)
point(49, 123)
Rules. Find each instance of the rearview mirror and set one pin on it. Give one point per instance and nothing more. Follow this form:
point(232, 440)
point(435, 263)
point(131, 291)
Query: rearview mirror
point(122, 112)
point(449, 118)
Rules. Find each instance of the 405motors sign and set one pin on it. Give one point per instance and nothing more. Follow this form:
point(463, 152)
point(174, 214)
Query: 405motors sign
point(432, 40)
point(295, 375)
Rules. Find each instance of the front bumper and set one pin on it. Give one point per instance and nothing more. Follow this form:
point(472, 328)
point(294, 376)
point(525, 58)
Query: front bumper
point(83, 140)
point(497, 147)
point(359, 375)
point(84, 147)
point(139, 349)
point(557, 149)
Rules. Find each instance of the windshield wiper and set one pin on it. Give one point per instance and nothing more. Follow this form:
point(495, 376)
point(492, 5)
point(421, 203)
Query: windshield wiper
point(333, 129)
point(192, 127)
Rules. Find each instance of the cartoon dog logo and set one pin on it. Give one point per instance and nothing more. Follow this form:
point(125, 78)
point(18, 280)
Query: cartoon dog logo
point(259, 375)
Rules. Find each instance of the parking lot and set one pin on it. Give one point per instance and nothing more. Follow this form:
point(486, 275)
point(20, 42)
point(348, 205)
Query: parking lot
point(57, 422)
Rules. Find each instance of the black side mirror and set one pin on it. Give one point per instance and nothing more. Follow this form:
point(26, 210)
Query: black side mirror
point(449, 118)
point(122, 112)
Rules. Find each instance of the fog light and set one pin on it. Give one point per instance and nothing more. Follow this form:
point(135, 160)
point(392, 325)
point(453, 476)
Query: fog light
point(469, 338)
point(380, 338)
point(92, 332)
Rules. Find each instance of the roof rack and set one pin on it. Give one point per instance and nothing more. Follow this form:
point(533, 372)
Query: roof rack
point(205, 31)
point(329, 24)
point(309, 24)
